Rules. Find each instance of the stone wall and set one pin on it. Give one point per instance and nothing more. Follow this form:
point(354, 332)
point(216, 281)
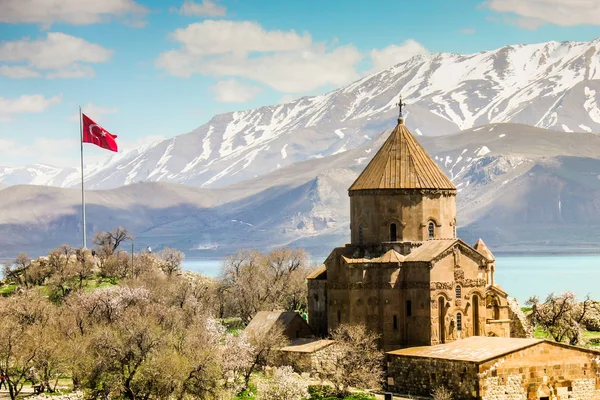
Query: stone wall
point(543, 370)
point(312, 363)
point(317, 306)
point(511, 389)
point(420, 376)
point(519, 326)
point(371, 215)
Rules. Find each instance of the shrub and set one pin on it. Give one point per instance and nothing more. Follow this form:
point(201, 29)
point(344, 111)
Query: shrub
point(326, 392)
point(284, 384)
point(441, 393)
point(248, 393)
point(321, 392)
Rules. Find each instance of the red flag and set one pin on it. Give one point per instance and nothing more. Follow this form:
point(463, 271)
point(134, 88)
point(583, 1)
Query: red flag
point(94, 133)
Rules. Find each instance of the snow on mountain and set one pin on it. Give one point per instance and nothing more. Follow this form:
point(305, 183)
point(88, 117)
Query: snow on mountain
point(37, 174)
point(548, 85)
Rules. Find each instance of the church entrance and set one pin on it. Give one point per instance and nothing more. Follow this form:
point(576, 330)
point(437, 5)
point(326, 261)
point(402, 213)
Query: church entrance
point(442, 319)
point(475, 315)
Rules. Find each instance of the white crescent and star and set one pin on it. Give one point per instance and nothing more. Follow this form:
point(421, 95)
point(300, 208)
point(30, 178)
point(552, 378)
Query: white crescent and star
point(91, 128)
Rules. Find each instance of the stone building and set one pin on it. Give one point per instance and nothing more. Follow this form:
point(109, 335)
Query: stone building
point(405, 274)
point(292, 324)
point(491, 368)
point(433, 298)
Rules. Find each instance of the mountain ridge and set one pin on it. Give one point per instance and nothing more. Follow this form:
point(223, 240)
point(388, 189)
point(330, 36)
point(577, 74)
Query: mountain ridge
point(526, 199)
point(549, 85)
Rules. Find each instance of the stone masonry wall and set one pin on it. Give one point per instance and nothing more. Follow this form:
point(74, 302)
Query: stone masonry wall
point(509, 390)
point(544, 370)
point(519, 326)
point(420, 376)
point(313, 363)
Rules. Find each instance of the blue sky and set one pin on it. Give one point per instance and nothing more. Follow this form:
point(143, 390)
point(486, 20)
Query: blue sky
point(151, 69)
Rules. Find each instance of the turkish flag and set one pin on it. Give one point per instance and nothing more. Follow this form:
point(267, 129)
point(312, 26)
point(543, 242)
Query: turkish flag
point(94, 133)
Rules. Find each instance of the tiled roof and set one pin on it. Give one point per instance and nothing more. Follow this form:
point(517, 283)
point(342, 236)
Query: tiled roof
point(483, 249)
point(307, 345)
point(392, 256)
point(472, 349)
point(402, 163)
point(266, 320)
point(429, 250)
point(317, 272)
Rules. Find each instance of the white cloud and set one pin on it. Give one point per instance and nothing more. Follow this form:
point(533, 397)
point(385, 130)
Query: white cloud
point(207, 8)
point(18, 72)
point(394, 54)
point(60, 54)
point(63, 152)
point(72, 71)
point(534, 13)
point(238, 37)
point(233, 91)
point(467, 31)
point(93, 111)
point(286, 98)
point(76, 12)
point(36, 103)
point(285, 61)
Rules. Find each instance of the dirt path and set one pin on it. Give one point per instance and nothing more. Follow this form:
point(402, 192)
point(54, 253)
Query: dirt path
point(27, 391)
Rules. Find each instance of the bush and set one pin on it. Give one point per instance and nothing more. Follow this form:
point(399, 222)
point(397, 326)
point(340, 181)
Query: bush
point(326, 392)
point(321, 392)
point(284, 384)
point(248, 393)
point(233, 324)
point(441, 393)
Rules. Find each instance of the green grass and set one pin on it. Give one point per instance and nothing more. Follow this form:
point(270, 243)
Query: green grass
point(7, 290)
point(540, 333)
point(234, 324)
point(249, 393)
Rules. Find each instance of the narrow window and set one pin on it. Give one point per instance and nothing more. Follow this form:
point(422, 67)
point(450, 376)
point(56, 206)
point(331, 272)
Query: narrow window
point(297, 334)
point(395, 323)
point(459, 322)
point(408, 308)
point(431, 230)
point(454, 230)
point(458, 291)
point(393, 235)
point(339, 315)
point(360, 235)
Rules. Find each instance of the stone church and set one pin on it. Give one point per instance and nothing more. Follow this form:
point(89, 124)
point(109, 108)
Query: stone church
point(405, 274)
point(431, 297)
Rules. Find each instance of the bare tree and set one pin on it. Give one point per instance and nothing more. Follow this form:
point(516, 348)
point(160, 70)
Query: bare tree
point(561, 315)
point(22, 334)
point(357, 363)
point(253, 281)
point(109, 241)
point(265, 342)
point(171, 260)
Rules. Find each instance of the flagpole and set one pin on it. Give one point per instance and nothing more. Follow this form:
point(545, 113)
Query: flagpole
point(82, 181)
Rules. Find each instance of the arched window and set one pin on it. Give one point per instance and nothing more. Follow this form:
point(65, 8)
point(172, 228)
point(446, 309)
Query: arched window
point(393, 233)
point(459, 322)
point(431, 230)
point(360, 235)
point(458, 291)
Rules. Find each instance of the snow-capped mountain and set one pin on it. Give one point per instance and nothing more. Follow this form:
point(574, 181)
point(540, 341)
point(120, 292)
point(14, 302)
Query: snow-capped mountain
point(520, 188)
point(549, 85)
point(37, 174)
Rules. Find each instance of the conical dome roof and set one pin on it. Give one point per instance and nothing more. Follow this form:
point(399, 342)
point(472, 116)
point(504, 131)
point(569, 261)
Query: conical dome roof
point(402, 163)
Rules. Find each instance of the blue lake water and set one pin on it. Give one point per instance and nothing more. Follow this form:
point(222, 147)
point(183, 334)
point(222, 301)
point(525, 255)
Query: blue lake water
point(521, 277)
